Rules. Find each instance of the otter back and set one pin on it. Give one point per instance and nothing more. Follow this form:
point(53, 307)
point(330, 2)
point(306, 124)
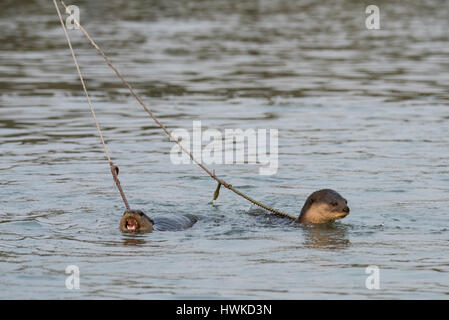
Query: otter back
point(173, 222)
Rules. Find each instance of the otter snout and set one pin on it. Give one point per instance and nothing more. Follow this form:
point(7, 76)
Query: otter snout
point(346, 209)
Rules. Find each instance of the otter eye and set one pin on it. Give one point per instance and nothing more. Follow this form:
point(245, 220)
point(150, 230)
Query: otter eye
point(334, 204)
point(141, 214)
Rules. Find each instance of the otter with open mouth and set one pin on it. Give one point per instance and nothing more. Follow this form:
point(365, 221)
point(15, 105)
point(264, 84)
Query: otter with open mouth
point(323, 206)
point(136, 221)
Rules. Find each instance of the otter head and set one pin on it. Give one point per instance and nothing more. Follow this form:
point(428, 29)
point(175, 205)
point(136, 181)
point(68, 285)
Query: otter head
point(136, 221)
point(323, 206)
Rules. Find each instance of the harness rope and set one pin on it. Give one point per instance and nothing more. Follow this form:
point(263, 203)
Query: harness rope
point(172, 138)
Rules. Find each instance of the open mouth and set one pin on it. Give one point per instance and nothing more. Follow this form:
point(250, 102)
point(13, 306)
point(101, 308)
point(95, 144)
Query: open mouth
point(131, 224)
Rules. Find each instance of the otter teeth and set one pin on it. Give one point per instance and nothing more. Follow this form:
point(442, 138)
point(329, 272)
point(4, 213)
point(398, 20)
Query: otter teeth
point(131, 225)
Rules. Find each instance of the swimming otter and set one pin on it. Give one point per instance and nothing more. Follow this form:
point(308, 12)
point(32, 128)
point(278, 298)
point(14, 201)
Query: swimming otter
point(137, 221)
point(323, 206)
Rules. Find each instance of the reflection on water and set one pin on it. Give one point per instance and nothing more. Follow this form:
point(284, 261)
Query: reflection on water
point(328, 236)
point(360, 111)
point(133, 241)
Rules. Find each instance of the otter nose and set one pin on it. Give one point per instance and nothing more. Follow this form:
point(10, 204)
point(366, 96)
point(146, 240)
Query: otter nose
point(346, 209)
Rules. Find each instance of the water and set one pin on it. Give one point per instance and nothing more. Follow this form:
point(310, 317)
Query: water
point(361, 111)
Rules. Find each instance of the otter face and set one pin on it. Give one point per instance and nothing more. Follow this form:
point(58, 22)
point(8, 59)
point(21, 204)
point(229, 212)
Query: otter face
point(136, 221)
point(324, 206)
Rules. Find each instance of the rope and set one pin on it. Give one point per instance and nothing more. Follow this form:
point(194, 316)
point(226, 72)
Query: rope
point(114, 168)
point(172, 138)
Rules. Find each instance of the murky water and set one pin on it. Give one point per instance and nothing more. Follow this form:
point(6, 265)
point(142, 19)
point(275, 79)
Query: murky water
point(364, 112)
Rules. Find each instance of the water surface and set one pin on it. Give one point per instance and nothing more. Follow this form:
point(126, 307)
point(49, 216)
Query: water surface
point(364, 112)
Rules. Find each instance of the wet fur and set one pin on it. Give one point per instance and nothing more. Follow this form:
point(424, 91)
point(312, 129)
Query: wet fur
point(323, 206)
point(170, 222)
point(145, 224)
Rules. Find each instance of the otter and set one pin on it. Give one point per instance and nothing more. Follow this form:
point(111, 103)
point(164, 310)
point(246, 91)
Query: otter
point(136, 221)
point(323, 206)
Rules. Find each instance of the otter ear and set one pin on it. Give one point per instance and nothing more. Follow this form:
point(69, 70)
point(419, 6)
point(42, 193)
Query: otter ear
point(312, 200)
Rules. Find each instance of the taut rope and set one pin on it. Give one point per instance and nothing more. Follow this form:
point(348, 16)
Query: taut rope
point(172, 138)
point(114, 168)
